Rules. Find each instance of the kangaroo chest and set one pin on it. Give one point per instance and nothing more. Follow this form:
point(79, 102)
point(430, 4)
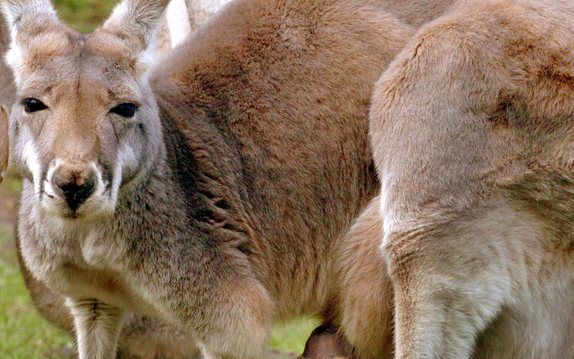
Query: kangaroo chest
point(81, 261)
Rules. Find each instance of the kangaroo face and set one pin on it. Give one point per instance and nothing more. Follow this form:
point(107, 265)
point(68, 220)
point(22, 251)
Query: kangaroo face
point(85, 123)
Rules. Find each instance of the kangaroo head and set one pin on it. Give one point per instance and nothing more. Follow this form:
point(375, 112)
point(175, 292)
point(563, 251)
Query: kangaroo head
point(85, 123)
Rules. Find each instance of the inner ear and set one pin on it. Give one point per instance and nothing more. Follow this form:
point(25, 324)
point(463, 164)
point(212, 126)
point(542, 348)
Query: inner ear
point(177, 20)
point(36, 34)
point(133, 24)
point(128, 34)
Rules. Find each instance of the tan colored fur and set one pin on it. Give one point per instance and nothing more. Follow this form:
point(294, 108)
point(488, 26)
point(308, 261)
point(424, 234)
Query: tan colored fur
point(364, 289)
point(472, 134)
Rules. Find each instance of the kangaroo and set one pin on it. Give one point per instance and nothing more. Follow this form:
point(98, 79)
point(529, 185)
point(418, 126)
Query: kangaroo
point(141, 337)
point(209, 192)
point(472, 129)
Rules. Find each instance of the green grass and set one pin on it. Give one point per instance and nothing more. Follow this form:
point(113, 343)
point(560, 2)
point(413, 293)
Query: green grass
point(84, 15)
point(12, 185)
point(291, 337)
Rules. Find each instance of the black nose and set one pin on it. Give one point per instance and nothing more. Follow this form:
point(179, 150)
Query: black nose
point(75, 184)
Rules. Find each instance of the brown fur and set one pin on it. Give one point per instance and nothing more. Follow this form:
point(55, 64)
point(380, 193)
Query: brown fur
point(364, 289)
point(360, 317)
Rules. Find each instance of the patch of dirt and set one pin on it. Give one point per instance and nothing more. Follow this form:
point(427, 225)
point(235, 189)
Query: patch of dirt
point(62, 353)
point(8, 212)
point(8, 208)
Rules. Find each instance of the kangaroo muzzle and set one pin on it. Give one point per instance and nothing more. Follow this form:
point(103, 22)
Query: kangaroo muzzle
point(74, 183)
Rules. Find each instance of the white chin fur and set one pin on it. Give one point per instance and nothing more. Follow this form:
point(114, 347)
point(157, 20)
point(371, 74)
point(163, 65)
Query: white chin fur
point(99, 204)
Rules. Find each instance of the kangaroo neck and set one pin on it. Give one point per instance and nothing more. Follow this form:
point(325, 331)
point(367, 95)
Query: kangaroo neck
point(188, 181)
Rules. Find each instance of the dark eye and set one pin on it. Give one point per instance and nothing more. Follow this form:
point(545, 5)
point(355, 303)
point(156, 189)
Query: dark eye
point(127, 110)
point(33, 105)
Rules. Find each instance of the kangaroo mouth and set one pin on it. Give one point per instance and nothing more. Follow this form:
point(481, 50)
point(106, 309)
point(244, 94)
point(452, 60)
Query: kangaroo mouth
point(72, 208)
point(74, 190)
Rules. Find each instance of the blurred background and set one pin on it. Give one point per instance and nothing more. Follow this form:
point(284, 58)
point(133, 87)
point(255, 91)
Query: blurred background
point(26, 335)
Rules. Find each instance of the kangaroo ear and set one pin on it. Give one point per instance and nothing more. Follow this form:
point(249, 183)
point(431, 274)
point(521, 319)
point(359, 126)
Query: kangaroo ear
point(177, 18)
point(4, 148)
point(173, 29)
point(182, 18)
point(133, 24)
point(24, 16)
point(34, 26)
